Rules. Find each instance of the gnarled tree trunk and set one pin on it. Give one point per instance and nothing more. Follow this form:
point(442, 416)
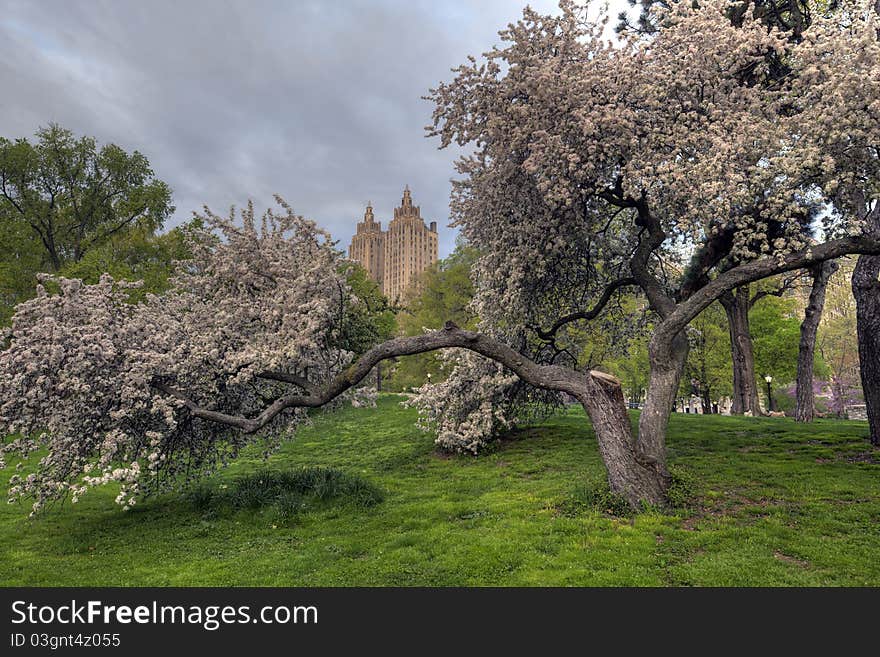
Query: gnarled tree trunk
point(866, 290)
point(805, 410)
point(630, 475)
point(667, 364)
point(736, 304)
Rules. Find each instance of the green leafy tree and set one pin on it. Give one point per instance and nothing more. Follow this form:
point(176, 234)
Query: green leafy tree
point(445, 293)
point(708, 370)
point(631, 366)
point(20, 258)
point(70, 207)
point(74, 196)
point(367, 318)
point(775, 325)
point(837, 342)
point(137, 255)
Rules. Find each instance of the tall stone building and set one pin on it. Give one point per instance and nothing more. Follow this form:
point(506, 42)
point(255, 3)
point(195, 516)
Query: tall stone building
point(368, 246)
point(394, 258)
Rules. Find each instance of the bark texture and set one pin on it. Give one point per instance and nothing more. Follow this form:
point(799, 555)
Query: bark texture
point(630, 474)
point(736, 305)
point(866, 290)
point(805, 408)
point(667, 364)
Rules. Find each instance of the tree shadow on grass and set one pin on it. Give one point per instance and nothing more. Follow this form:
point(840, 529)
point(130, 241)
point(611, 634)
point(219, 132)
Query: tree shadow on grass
point(288, 493)
point(170, 520)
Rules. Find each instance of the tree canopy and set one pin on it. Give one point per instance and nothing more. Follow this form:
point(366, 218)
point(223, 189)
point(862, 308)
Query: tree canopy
point(595, 164)
point(70, 207)
point(75, 196)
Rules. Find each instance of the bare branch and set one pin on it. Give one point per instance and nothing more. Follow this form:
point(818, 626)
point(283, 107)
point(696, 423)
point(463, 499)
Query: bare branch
point(786, 285)
point(753, 271)
point(549, 377)
point(285, 377)
point(125, 222)
point(590, 314)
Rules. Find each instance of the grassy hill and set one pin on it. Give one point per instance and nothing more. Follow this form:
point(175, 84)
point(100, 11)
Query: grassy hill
point(773, 503)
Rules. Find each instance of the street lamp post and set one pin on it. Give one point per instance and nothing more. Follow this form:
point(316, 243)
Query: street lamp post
point(769, 380)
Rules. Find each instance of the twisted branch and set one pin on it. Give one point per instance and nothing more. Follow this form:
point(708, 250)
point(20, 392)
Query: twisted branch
point(549, 377)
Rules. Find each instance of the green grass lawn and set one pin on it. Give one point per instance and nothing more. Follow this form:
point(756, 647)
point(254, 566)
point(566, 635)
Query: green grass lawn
point(774, 503)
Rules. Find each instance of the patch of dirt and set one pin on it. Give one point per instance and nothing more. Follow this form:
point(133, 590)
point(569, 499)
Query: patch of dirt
point(732, 505)
point(821, 460)
point(690, 524)
point(872, 456)
point(858, 500)
point(789, 559)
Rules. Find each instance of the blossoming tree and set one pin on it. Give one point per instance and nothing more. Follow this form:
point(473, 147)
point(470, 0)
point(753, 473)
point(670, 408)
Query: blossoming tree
point(99, 381)
point(591, 167)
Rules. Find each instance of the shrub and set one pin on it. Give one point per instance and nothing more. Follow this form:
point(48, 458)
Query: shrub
point(201, 497)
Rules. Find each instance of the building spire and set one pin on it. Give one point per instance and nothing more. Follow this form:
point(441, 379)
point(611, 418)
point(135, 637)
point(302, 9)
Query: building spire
point(407, 199)
point(368, 215)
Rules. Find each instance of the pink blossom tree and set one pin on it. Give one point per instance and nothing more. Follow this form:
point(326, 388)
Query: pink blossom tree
point(590, 168)
point(97, 381)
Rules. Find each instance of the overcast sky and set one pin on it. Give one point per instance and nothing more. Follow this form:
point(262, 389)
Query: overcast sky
point(317, 100)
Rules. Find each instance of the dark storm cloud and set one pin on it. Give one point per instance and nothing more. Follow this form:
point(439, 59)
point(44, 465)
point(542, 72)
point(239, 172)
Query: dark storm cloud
point(319, 101)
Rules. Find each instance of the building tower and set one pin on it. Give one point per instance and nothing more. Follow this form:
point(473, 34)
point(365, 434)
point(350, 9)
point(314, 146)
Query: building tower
point(368, 246)
point(410, 248)
point(394, 258)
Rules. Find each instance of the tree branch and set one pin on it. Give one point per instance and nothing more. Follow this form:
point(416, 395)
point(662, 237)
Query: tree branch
point(550, 377)
point(590, 314)
point(753, 271)
point(786, 285)
point(12, 200)
point(714, 249)
point(115, 229)
point(659, 300)
point(284, 377)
